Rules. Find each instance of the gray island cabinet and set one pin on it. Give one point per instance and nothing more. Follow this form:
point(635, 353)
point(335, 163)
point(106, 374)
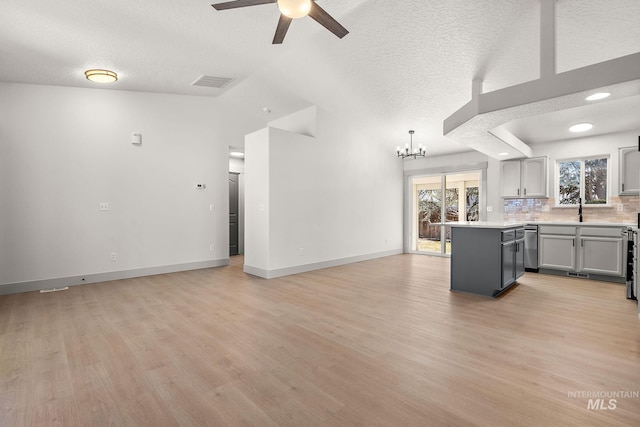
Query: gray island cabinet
point(486, 258)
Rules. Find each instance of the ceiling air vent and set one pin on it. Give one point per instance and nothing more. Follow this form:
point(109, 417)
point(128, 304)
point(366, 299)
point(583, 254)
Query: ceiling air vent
point(211, 81)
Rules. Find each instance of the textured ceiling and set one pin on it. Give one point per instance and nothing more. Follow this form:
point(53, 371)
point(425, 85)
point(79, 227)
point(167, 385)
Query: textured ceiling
point(404, 65)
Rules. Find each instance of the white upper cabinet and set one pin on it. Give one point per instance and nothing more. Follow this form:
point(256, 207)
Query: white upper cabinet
point(524, 178)
point(510, 178)
point(629, 158)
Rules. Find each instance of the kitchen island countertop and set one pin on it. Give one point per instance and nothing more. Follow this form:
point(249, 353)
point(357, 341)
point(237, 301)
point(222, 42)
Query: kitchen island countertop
point(484, 224)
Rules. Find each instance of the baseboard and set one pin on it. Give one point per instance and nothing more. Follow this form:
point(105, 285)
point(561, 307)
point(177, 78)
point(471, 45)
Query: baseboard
point(601, 277)
point(287, 271)
point(37, 285)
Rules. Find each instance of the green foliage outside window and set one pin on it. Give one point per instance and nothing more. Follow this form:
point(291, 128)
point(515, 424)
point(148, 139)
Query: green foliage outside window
point(582, 179)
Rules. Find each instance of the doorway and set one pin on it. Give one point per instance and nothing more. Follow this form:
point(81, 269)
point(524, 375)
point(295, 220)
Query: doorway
point(438, 199)
point(234, 208)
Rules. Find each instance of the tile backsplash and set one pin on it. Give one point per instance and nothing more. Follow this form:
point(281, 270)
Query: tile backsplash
point(546, 210)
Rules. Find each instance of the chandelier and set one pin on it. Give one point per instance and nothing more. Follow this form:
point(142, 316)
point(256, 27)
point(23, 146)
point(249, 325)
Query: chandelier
point(408, 150)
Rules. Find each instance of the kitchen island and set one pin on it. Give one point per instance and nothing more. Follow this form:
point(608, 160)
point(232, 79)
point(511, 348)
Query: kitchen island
point(486, 257)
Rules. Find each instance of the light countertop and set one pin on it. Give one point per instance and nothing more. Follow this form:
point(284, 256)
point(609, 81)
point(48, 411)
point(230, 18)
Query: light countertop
point(584, 224)
point(484, 224)
point(505, 225)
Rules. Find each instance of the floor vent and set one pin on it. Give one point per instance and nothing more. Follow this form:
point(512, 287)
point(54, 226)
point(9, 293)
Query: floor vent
point(211, 81)
point(580, 275)
point(44, 291)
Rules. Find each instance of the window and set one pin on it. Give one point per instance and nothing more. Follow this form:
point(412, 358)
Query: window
point(460, 203)
point(582, 180)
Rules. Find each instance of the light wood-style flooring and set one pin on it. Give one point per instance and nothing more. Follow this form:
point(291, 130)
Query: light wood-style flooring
point(381, 342)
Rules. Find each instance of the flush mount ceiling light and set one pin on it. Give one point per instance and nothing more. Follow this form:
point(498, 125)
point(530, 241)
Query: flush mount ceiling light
point(237, 154)
point(580, 127)
point(101, 76)
point(294, 8)
point(409, 151)
point(503, 154)
point(597, 96)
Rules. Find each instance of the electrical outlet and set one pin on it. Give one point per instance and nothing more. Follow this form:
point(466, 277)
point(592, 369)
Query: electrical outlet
point(103, 206)
point(301, 251)
point(620, 207)
point(212, 207)
point(489, 208)
point(114, 256)
point(211, 246)
point(545, 208)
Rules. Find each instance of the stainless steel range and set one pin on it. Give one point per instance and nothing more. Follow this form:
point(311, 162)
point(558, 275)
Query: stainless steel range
point(633, 256)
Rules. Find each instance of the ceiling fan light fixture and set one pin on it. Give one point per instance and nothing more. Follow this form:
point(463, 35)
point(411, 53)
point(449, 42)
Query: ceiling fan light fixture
point(101, 76)
point(294, 8)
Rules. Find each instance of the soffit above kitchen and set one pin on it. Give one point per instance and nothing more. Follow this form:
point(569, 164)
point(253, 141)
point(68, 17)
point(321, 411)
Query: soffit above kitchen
point(403, 65)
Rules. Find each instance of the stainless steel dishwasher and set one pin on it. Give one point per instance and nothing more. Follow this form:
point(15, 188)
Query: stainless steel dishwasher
point(531, 248)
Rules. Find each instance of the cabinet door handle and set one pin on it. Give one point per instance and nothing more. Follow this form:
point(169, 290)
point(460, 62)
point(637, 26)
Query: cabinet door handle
point(518, 191)
point(623, 186)
point(582, 242)
point(573, 242)
point(525, 191)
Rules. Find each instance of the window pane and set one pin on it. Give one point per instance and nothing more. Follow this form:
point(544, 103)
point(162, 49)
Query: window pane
point(473, 214)
point(429, 212)
point(569, 179)
point(595, 181)
point(452, 204)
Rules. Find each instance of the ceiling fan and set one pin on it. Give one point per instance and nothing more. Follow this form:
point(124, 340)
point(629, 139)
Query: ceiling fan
point(289, 10)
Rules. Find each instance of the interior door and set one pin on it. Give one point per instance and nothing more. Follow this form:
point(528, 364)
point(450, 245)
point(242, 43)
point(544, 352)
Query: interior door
point(233, 214)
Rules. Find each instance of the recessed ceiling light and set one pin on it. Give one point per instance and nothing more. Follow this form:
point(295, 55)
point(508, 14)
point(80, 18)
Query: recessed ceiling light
point(580, 127)
point(503, 154)
point(236, 154)
point(596, 96)
point(101, 76)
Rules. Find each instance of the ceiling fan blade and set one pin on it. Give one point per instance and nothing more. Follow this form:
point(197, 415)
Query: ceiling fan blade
point(240, 3)
point(281, 31)
point(324, 19)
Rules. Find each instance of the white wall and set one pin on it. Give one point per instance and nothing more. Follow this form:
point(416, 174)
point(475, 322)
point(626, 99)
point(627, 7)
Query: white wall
point(337, 196)
point(65, 150)
point(256, 200)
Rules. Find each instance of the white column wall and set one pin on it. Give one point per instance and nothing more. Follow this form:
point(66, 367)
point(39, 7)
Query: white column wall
point(333, 198)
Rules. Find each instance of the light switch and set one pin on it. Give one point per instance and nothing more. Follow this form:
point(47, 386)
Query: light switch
point(136, 138)
point(104, 206)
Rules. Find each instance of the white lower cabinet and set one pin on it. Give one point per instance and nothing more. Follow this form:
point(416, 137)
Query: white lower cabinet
point(586, 250)
point(602, 255)
point(557, 252)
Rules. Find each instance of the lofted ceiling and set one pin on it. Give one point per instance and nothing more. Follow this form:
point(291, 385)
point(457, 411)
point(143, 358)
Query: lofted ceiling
point(404, 64)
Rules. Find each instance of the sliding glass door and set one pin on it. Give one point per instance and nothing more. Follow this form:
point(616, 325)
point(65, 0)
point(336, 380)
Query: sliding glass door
point(442, 198)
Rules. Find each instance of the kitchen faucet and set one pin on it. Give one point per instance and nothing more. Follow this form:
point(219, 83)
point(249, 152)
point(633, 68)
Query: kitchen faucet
point(580, 209)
